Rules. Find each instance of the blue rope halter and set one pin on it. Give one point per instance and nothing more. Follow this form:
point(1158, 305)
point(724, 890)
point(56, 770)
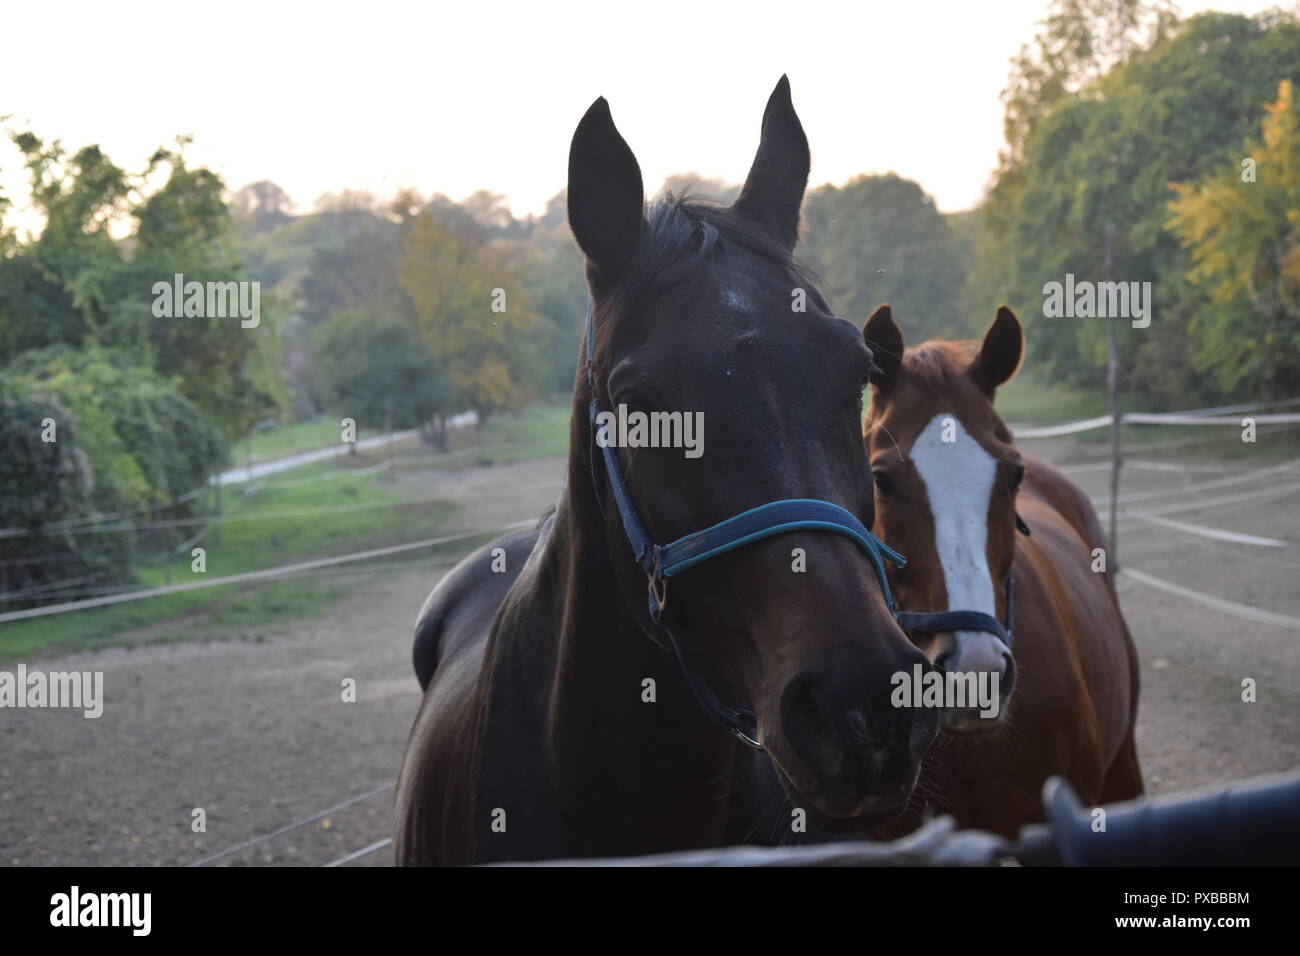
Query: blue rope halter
point(661, 563)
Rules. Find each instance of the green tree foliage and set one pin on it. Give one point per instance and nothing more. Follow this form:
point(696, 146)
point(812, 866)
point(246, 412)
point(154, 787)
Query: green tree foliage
point(378, 371)
point(473, 310)
point(61, 286)
point(1079, 42)
point(1243, 229)
point(143, 406)
point(127, 445)
point(261, 206)
point(356, 265)
point(880, 239)
point(436, 264)
point(1103, 156)
point(551, 270)
point(75, 284)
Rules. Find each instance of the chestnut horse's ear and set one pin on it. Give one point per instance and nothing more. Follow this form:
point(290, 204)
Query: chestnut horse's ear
point(606, 196)
point(1000, 354)
point(773, 190)
point(885, 340)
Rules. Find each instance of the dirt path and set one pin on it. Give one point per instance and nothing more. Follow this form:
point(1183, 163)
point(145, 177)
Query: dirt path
point(258, 736)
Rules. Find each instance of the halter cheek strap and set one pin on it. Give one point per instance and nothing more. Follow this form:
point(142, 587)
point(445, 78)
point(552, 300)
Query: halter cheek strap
point(661, 563)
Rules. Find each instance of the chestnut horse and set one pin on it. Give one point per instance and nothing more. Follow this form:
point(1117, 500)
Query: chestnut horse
point(951, 491)
point(553, 722)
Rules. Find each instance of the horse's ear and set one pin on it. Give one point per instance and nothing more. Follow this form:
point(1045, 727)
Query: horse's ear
point(773, 190)
point(1000, 354)
point(885, 339)
point(606, 197)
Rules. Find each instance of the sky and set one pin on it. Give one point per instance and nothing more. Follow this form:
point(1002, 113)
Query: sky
point(455, 97)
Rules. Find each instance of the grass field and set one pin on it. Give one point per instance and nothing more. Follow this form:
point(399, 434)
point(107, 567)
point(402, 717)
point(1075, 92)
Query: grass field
point(538, 432)
point(290, 440)
point(310, 513)
point(317, 510)
point(1026, 398)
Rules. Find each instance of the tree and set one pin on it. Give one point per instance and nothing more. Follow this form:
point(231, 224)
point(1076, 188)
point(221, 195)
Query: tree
point(552, 275)
point(474, 313)
point(75, 284)
point(231, 372)
point(378, 371)
point(125, 443)
point(357, 269)
point(1080, 41)
point(1242, 226)
point(880, 239)
point(262, 206)
point(1103, 157)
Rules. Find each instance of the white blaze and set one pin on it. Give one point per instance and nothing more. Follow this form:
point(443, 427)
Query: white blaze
point(958, 479)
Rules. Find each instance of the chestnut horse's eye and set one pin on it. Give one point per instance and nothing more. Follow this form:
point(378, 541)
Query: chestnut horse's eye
point(1017, 477)
point(883, 484)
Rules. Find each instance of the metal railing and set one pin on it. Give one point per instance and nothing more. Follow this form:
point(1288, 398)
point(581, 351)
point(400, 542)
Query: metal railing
point(1255, 823)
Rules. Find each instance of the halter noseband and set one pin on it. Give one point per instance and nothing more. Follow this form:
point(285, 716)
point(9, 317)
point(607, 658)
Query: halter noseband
point(661, 563)
point(933, 622)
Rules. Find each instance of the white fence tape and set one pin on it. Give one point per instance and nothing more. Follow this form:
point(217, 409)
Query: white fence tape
point(264, 575)
point(1244, 611)
point(1145, 418)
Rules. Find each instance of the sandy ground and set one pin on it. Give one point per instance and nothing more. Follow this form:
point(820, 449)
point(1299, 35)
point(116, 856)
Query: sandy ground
point(257, 734)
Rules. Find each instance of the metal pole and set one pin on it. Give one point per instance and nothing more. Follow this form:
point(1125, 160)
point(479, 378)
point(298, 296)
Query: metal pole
point(388, 427)
point(1112, 387)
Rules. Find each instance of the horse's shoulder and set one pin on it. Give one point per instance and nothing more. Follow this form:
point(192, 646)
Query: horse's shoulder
point(1050, 486)
point(460, 608)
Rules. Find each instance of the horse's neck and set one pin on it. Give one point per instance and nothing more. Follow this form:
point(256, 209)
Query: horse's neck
point(617, 731)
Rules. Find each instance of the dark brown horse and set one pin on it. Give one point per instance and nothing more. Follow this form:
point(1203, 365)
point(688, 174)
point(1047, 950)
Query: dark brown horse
point(554, 724)
point(951, 489)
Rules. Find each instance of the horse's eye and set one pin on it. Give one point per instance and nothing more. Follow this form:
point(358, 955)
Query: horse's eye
point(883, 484)
point(1017, 477)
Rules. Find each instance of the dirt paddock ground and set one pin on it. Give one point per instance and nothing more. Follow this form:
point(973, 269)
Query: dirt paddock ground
point(258, 737)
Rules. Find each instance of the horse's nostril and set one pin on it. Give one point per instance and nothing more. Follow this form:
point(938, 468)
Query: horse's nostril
point(1008, 674)
point(808, 719)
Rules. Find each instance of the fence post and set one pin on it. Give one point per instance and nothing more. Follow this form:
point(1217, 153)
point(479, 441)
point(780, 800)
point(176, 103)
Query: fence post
point(1112, 388)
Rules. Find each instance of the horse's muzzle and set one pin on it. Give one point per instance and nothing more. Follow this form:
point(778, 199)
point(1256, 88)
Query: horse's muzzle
point(986, 672)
